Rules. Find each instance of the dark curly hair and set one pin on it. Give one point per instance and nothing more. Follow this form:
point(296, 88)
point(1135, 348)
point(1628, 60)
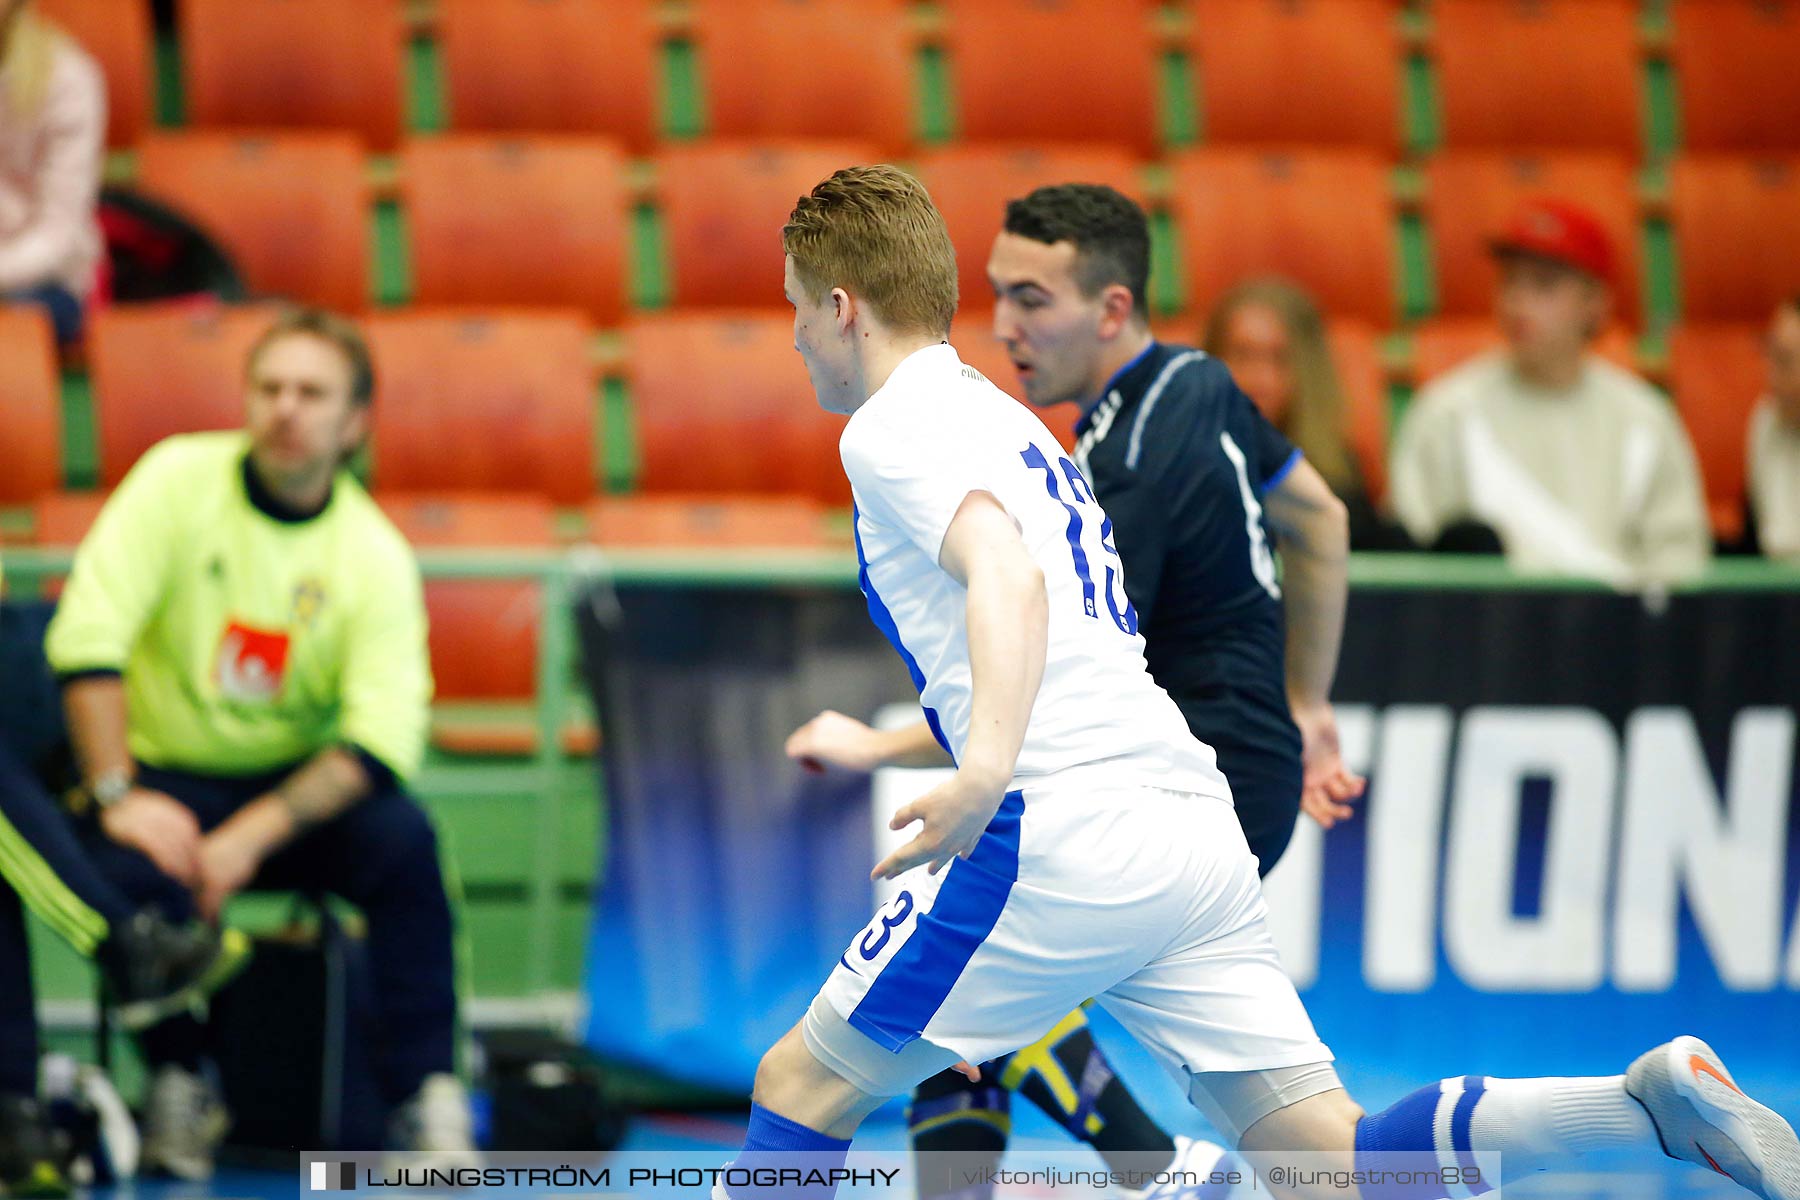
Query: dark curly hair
point(1109, 230)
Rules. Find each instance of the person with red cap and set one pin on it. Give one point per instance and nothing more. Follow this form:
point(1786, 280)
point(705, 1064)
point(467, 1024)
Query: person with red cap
point(1579, 466)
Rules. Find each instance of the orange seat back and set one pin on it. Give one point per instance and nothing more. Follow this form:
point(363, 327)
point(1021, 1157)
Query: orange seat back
point(31, 399)
point(1322, 218)
point(499, 221)
point(1544, 73)
point(1049, 70)
point(1735, 73)
point(1736, 248)
point(311, 64)
point(679, 522)
point(542, 66)
point(723, 206)
point(759, 61)
point(1718, 372)
point(292, 209)
point(164, 369)
point(723, 405)
point(483, 632)
point(1340, 71)
point(500, 401)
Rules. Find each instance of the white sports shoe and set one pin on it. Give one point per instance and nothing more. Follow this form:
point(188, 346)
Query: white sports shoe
point(1703, 1117)
point(184, 1122)
point(436, 1123)
point(1198, 1160)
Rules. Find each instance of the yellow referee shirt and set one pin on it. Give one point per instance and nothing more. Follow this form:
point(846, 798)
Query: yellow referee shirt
point(247, 641)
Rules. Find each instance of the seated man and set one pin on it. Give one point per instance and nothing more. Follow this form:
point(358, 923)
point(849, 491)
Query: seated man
point(1580, 467)
point(1774, 466)
point(242, 648)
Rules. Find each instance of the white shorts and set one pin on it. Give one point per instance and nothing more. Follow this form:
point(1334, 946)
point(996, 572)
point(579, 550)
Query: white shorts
point(1144, 898)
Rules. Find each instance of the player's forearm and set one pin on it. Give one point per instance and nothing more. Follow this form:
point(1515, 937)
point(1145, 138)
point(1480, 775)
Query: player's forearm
point(331, 782)
point(94, 706)
point(1315, 590)
point(911, 746)
point(1008, 622)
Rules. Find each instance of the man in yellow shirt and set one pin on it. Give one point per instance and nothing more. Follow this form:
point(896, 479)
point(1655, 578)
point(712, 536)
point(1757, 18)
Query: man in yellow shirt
point(245, 676)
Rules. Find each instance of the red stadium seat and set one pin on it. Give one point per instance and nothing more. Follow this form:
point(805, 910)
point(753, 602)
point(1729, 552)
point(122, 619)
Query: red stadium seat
point(538, 220)
point(64, 518)
point(1438, 346)
point(708, 522)
point(165, 369)
point(973, 337)
point(972, 183)
point(1340, 63)
point(1356, 352)
point(1735, 234)
point(723, 405)
point(293, 209)
point(758, 61)
point(542, 66)
point(1538, 73)
point(1049, 70)
point(117, 34)
point(484, 632)
point(500, 401)
point(1735, 74)
point(1718, 373)
point(323, 64)
point(1472, 194)
point(31, 448)
point(724, 204)
point(1322, 218)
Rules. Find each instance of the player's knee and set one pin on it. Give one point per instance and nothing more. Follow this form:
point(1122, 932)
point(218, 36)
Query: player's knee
point(792, 1082)
point(403, 836)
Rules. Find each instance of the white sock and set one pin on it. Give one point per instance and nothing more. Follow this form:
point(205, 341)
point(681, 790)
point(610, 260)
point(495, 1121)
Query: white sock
point(1538, 1123)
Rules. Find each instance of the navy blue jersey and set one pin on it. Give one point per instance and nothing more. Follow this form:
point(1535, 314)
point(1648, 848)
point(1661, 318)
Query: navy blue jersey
point(1181, 459)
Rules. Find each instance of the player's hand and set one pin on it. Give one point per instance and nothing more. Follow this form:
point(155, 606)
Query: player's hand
point(163, 828)
point(833, 740)
point(228, 862)
point(1327, 785)
point(955, 813)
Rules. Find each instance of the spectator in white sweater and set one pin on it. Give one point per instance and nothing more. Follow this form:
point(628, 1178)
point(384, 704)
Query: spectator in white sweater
point(1580, 467)
point(52, 142)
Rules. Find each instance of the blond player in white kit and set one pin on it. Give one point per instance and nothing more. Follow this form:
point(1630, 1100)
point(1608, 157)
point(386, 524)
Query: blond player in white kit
point(1086, 846)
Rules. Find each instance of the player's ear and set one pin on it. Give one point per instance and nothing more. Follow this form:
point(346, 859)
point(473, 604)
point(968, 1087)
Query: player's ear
point(843, 309)
point(1116, 306)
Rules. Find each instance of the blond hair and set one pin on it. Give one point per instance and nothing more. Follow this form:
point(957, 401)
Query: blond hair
point(339, 332)
point(29, 60)
point(874, 232)
point(1314, 422)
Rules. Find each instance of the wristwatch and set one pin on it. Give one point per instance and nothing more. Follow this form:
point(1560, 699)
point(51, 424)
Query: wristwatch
point(110, 788)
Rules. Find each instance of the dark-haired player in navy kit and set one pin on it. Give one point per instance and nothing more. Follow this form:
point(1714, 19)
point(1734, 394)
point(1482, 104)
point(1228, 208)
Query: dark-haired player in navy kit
point(1194, 480)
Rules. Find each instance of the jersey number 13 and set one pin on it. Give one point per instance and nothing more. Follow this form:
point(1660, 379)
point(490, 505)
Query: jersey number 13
point(1081, 498)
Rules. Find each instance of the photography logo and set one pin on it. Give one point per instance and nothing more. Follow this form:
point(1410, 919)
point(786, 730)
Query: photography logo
point(333, 1177)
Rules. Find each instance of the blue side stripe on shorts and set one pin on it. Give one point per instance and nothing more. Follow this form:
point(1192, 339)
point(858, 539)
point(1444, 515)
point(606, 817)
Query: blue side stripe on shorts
point(884, 621)
point(915, 982)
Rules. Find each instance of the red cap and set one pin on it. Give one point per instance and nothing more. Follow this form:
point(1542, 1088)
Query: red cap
point(1560, 232)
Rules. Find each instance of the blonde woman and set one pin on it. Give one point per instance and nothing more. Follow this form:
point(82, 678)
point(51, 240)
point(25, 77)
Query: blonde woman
point(1271, 337)
point(52, 138)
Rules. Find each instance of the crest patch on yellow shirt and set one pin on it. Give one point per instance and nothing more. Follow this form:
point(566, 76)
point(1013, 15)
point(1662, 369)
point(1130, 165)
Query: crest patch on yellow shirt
point(251, 662)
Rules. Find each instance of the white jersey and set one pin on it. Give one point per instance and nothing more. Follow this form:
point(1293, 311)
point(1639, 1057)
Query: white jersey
point(935, 432)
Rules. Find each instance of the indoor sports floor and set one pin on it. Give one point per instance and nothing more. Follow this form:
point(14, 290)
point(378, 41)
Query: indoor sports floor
point(1037, 1142)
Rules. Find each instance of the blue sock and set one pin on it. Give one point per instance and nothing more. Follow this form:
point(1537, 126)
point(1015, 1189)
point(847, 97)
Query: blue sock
point(783, 1160)
point(1397, 1140)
